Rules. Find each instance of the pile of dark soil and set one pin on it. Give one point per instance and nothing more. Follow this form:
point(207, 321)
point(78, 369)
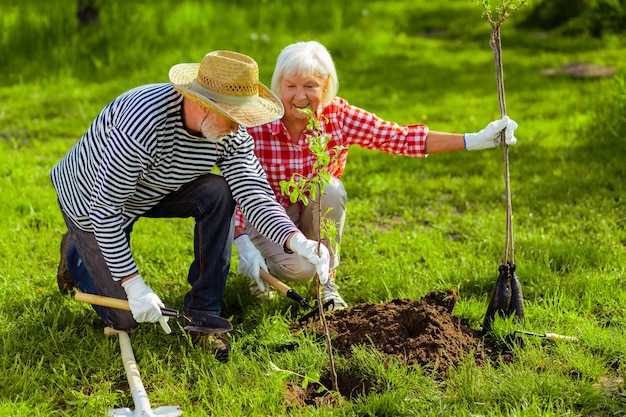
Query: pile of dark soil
point(416, 332)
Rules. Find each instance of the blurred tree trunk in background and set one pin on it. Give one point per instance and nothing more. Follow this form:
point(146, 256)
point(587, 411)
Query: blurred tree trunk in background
point(88, 13)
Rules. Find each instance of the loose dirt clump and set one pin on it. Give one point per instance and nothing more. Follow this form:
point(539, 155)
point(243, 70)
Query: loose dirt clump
point(417, 332)
point(350, 387)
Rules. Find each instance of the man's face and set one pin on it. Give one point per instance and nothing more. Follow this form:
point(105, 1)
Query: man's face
point(215, 126)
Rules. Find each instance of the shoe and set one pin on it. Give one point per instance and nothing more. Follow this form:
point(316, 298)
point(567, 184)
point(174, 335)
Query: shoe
point(221, 347)
point(218, 344)
point(329, 292)
point(267, 294)
point(64, 280)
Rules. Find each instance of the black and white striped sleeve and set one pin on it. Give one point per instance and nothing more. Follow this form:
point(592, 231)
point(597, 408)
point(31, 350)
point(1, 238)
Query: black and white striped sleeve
point(246, 178)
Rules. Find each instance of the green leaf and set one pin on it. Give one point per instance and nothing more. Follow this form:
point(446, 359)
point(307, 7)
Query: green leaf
point(293, 196)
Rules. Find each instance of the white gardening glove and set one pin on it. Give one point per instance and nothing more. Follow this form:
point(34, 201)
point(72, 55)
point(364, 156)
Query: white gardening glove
point(250, 260)
point(489, 137)
point(308, 249)
point(144, 303)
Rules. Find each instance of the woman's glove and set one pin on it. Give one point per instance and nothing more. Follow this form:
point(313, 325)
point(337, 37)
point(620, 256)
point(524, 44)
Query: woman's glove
point(489, 137)
point(144, 304)
point(308, 249)
point(250, 260)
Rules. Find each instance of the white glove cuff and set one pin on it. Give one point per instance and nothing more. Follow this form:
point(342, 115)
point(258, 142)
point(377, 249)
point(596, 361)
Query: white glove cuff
point(298, 242)
point(135, 284)
point(243, 243)
point(478, 141)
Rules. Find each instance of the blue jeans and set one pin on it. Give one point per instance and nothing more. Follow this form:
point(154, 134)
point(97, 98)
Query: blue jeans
point(209, 201)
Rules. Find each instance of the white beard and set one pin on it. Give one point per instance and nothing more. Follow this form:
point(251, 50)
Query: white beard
point(209, 131)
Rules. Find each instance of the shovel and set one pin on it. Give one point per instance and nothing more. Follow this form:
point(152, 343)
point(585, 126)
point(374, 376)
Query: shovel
point(290, 293)
point(212, 325)
point(140, 398)
point(283, 288)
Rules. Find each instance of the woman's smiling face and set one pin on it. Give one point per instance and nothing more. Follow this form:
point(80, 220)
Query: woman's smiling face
point(301, 92)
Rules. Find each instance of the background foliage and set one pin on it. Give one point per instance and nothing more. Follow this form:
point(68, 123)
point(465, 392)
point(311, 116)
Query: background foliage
point(574, 17)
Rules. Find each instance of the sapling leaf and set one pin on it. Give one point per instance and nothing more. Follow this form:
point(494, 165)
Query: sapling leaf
point(313, 191)
point(310, 377)
point(293, 196)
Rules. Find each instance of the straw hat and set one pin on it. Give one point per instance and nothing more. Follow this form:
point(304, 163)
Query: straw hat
point(228, 83)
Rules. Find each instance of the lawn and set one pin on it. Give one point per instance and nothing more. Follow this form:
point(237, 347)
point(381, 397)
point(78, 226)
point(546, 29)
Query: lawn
point(413, 226)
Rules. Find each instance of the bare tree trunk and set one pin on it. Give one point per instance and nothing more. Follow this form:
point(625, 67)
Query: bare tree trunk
point(88, 13)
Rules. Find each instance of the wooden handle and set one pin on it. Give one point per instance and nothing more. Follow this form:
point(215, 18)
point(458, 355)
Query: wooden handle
point(274, 282)
point(101, 300)
point(140, 397)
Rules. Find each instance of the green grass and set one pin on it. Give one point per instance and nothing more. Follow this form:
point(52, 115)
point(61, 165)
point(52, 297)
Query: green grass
point(413, 225)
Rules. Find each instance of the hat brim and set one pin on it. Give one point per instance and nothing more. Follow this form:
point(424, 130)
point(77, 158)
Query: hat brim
point(267, 108)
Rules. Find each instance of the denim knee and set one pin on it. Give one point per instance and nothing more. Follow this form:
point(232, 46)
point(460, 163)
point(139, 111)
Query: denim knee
point(213, 192)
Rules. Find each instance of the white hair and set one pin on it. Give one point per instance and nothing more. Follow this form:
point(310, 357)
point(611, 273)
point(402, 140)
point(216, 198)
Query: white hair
point(306, 59)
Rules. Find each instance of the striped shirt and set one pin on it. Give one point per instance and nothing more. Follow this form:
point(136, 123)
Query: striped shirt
point(136, 152)
point(347, 125)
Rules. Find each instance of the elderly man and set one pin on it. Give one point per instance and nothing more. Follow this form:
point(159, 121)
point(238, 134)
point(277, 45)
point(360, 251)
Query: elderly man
point(150, 153)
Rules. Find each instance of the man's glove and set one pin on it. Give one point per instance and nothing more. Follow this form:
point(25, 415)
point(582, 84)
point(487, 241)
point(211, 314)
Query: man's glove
point(144, 304)
point(489, 137)
point(308, 249)
point(250, 260)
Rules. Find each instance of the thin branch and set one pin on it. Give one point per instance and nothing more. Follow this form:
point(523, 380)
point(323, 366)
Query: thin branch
point(505, 11)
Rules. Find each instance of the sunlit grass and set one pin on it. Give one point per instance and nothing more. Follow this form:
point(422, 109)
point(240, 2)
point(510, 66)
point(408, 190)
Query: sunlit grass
point(413, 226)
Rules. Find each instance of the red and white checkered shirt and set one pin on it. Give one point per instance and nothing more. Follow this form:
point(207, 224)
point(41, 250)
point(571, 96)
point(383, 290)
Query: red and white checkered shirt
point(347, 125)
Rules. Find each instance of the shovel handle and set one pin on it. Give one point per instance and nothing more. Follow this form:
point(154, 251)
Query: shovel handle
point(282, 287)
point(101, 300)
point(274, 282)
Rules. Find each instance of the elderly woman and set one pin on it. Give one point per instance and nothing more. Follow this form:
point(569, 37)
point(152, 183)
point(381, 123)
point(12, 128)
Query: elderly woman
point(305, 78)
